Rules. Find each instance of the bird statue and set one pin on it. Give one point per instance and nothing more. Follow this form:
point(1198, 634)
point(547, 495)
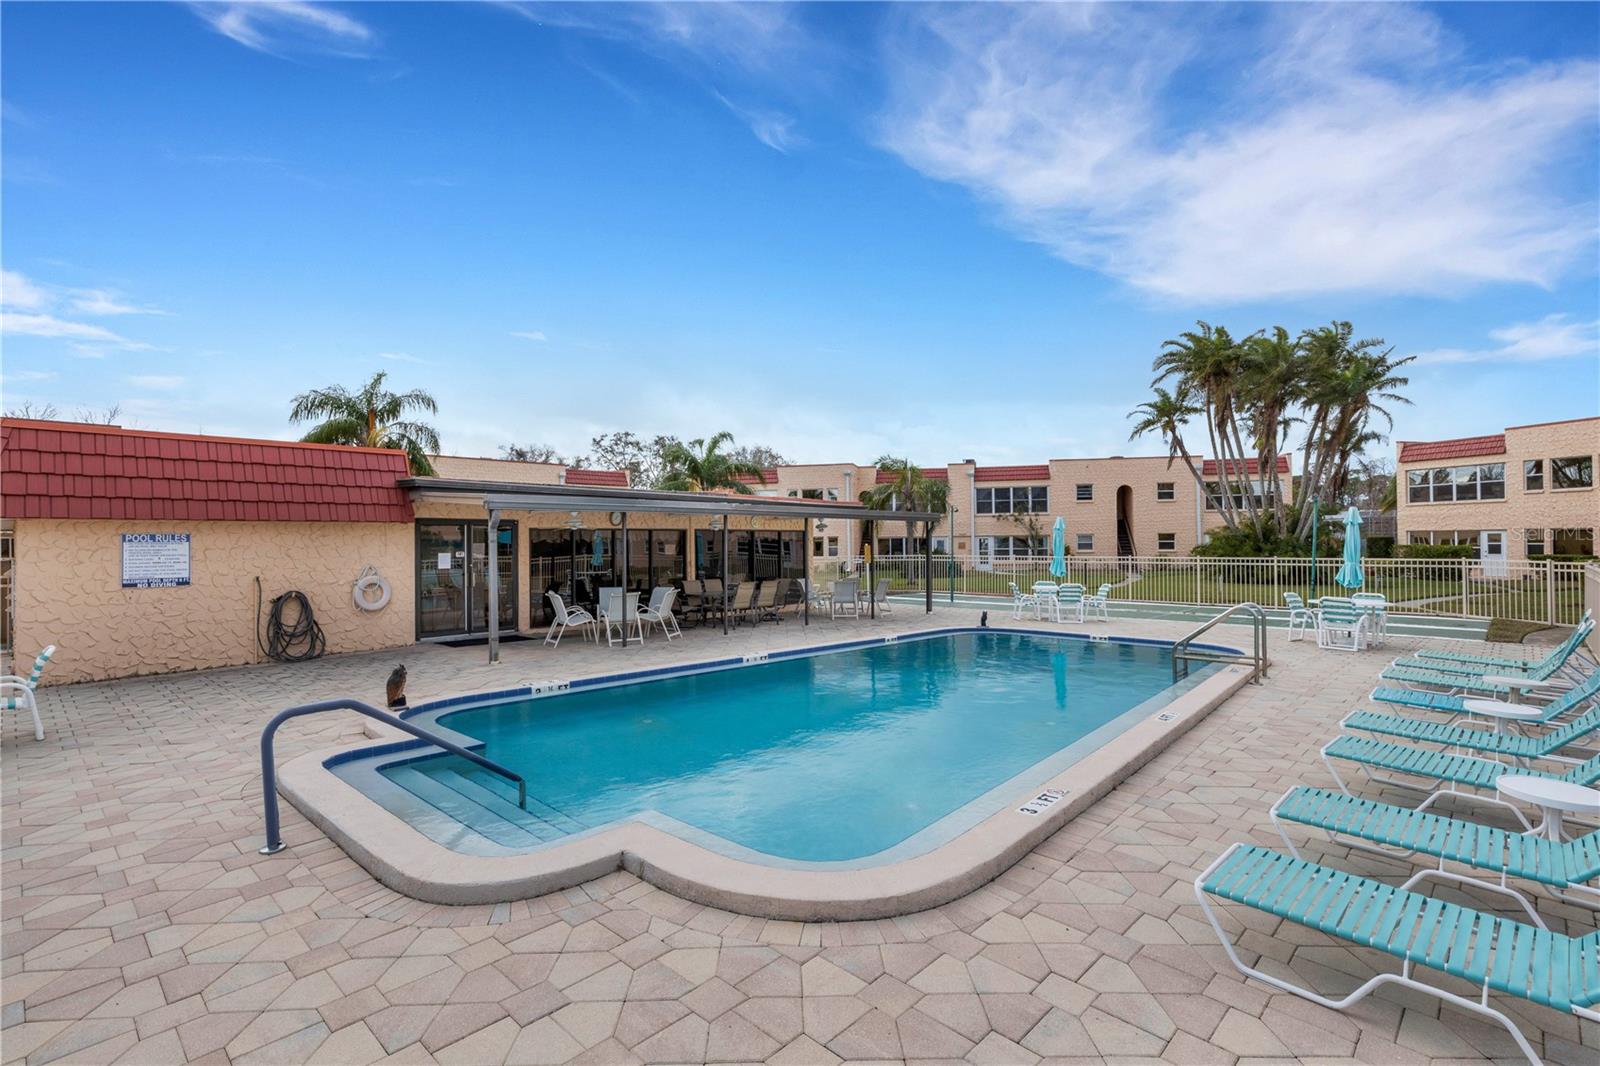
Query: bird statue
point(397, 687)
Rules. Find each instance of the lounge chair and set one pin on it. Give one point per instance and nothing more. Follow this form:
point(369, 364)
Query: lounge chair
point(25, 689)
point(1579, 633)
point(658, 612)
point(1569, 868)
point(1301, 617)
point(1099, 603)
point(843, 599)
point(618, 612)
point(1445, 768)
point(566, 618)
point(1515, 745)
point(1481, 686)
point(1021, 601)
point(1537, 670)
point(1341, 624)
point(1493, 953)
point(1558, 705)
point(1069, 600)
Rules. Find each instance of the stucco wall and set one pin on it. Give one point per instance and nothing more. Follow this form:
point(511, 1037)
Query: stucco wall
point(476, 468)
point(69, 577)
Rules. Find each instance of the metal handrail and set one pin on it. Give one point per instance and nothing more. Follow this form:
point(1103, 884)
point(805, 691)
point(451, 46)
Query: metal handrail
point(1258, 662)
point(269, 768)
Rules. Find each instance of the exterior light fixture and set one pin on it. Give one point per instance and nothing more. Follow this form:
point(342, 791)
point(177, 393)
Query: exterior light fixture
point(573, 521)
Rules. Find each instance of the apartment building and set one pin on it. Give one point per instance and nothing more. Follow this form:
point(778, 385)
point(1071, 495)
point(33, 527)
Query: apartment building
point(1523, 492)
point(1119, 505)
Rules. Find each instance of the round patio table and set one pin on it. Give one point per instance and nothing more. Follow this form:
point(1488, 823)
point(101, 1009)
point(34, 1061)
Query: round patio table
point(1554, 798)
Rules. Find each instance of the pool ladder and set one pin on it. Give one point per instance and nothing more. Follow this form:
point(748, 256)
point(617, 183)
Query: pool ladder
point(269, 766)
point(1183, 654)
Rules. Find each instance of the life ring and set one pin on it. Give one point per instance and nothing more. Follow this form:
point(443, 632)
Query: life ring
point(366, 581)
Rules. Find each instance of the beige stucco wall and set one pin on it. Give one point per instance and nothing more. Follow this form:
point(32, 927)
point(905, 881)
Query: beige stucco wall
point(474, 468)
point(69, 578)
point(1521, 510)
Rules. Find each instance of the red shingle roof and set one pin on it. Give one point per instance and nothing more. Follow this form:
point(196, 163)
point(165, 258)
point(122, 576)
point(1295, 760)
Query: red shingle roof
point(1012, 473)
point(74, 470)
point(1416, 451)
point(768, 476)
point(1251, 466)
point(605, 478)
point(937, 473)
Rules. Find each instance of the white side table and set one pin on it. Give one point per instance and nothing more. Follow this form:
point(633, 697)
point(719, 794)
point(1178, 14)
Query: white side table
point(1554, 798)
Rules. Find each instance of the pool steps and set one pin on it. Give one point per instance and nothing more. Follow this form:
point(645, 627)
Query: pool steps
point(468, 798)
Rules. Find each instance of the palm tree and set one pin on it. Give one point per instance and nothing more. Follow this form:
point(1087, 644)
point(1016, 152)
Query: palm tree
point(371, 418)
point(701, 466)
point(1273, 370)
point(1166, 414)
point(908, 489)
point(1209, 363)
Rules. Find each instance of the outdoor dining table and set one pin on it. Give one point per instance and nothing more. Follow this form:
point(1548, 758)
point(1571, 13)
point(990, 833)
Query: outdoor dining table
point(1376, 608)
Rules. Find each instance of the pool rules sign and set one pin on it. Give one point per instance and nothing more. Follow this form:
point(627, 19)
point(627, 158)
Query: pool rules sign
point(155, 560)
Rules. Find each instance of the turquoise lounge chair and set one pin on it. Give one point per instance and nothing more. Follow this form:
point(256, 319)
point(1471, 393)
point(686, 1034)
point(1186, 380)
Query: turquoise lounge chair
point(1489, 664)
point(1493, 953)
point(1440, 679)
point(1568, 869)
point(1517, 745)
point(1451, 770)
point(1539, 671)
point(1420, 699)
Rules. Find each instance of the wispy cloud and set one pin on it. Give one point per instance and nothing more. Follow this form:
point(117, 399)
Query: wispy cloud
point(34, 325)
point(29, 309)
point(530, 335)
point(29, 375)
point(1335, 154)
point(774, 129)
point(107, 302)
point(285, 27)
point(401, 357)
point(158, 382)
point(1552, 337)
point(19, 293)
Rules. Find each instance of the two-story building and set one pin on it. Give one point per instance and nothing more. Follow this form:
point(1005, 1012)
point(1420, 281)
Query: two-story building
point(1118, 505)
point(1524, 492)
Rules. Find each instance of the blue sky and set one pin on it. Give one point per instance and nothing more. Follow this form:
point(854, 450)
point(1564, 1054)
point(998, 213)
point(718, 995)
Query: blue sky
point(841, 230)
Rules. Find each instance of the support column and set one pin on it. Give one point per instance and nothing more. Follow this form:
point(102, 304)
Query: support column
point(927, 566)
point(494, 586)
point(724, 575)
point(622, 576)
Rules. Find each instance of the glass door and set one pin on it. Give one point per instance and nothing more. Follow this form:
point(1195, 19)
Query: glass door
point(478, 582)
point(441, 578)
point(1492, 552)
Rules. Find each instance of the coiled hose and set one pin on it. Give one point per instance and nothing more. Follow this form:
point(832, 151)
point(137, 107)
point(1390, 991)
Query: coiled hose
point(294, 640)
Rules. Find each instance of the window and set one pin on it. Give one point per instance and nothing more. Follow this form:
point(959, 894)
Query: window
point(1166, 490)
point(1214, 494)
point(901, 546)
point(1446, 484)
point(815, 494)
point(1085, 492)
point(1023, 500)
point(1572, 541)
point(1533, 477)
point(1574, 473)
point(1085, 542)
point(1445, 536)
point(1534, 539)
point(1166, 542)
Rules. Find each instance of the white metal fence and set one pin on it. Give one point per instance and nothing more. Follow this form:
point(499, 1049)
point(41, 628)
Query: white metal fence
point(1545, 591)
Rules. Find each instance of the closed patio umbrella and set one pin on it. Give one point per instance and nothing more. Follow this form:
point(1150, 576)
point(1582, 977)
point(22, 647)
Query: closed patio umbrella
point(1058, 548)
point(1350, 575)
point(599, 557)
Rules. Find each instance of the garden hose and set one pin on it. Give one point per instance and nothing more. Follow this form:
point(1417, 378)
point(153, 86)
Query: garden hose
point(295, 639)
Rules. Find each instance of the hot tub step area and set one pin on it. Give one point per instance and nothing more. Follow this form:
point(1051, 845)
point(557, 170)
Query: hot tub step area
point(481, 809)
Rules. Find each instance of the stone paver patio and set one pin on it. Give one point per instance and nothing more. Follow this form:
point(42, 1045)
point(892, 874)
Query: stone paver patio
point(140, 925)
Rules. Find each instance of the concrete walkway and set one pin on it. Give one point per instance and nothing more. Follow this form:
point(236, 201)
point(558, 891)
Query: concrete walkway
point(140, 926)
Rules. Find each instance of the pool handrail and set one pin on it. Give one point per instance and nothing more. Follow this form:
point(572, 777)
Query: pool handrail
point(1257, 660)
point(269, 768)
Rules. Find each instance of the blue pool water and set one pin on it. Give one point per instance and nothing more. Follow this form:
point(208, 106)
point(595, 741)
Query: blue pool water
point(826, 757)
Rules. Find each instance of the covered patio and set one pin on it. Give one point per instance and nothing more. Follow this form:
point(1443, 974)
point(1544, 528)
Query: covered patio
point(619, 506)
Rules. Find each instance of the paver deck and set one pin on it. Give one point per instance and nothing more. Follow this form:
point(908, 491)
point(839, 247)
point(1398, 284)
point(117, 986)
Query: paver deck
point(140, 926)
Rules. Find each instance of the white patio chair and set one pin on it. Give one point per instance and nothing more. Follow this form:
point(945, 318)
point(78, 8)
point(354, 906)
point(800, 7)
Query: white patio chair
point(658, 612)
point(24, 688)
point(565, 619)
point(1099, 603)
point(1377, 607)
point(618, 612)
point(1044, 600)
point(1341, 624)
point(880, 595)
point(1069, 602)
point(843, 599)
point(1021, 601)
point(1301, 617)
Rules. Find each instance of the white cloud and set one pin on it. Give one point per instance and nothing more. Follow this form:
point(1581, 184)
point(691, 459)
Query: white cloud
point(158, 382)
point(774, 129)
point(1347, 159)
point(106, 302)
point(1552, 337)
point(531, 335)
point(29, 375)
point(17, 292)
point(35, 325)
point(287, 26)
point(34, 310)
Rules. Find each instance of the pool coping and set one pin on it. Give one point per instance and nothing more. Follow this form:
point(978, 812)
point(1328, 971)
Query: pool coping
point(404, 859)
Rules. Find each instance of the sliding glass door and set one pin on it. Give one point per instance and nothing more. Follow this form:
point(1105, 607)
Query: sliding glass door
point(452, 577)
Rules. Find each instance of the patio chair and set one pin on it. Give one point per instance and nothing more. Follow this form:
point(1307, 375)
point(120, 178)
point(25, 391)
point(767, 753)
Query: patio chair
point(1449, 771)
point(1492, 953)
point(1099, 602)
point(843, 598)
point(880, 595)
point(24, 687)
point(1538, 670)
point(1490, 664)
point(742, 602)
point(1569, 868)
point(770, 602)
point(1021, 601)
point(1301, 617)
point(1520, 746)
point(618, 612)
point(1341, 625)
point(1560, 704)
point(658, 612)
point(1377, 607)
point(1069, 600)
point(566, 618)
point(1439, 679)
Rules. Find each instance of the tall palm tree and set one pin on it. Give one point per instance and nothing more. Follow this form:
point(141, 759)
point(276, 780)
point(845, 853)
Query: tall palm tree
point(1273, 369)
point(1166, 414)
point(907, 489)
point(1210, 363)
point(701, 466)
point(373, 417)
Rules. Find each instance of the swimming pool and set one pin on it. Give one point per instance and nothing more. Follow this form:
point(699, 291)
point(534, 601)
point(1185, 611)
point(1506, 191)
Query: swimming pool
point(839, 758)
